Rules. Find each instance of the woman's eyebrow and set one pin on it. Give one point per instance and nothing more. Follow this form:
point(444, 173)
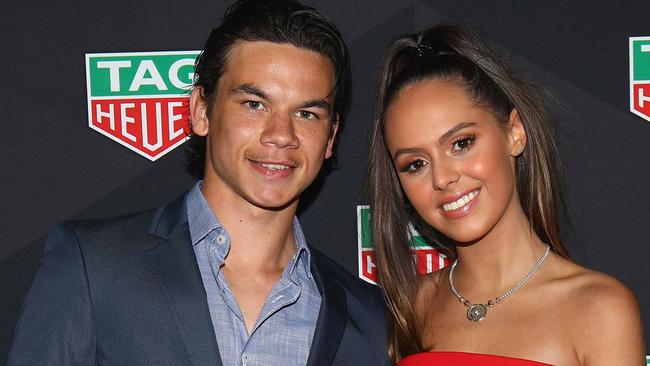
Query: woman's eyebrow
point(445, 136)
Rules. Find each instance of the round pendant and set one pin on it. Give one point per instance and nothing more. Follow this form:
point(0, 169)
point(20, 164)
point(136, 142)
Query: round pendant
point(476, 312)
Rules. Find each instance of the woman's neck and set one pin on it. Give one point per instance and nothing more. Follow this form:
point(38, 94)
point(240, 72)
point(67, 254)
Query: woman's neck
point(500, 259)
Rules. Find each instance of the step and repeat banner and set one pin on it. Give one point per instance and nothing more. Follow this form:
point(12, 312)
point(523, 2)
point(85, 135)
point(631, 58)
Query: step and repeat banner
point(95, 119)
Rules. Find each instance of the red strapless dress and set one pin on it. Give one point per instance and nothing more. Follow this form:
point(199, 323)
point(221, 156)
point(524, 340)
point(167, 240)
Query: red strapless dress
point(463, 359)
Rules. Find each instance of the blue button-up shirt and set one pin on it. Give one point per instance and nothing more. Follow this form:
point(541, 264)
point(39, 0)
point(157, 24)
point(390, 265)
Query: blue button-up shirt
point(285, 327)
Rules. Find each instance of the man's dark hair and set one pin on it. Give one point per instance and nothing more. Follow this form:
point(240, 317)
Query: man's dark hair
point(278, 21)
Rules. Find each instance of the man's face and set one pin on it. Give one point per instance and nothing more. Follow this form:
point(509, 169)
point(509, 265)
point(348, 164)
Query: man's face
point(270, 127)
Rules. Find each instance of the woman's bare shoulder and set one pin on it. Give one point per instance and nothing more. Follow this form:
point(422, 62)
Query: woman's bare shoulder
point(605, 316)
point(592, 289)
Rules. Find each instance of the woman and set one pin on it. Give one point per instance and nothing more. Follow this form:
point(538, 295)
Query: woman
point(463, 149)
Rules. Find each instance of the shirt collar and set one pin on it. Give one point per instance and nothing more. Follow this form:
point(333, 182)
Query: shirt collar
point(199, 215)
point(302, 253)
point(202, 221)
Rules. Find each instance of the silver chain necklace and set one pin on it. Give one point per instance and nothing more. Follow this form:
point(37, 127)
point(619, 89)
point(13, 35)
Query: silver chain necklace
point(477, 312)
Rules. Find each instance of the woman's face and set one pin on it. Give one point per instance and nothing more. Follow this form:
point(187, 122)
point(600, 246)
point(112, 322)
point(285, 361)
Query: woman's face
point(455, 161)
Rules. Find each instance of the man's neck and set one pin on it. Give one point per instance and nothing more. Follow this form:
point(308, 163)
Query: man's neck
point(261, 239)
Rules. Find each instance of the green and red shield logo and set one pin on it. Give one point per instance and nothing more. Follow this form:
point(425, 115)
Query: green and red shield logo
point(428, 258)
point(640, 76)
point(140, 99)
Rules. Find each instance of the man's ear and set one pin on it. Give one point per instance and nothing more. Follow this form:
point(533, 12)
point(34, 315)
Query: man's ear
point(334, 127)
point(516, 133)
point(199, 120)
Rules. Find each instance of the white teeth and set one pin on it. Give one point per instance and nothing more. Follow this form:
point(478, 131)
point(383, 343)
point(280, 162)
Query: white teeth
point(274, 166)
point(460, 202)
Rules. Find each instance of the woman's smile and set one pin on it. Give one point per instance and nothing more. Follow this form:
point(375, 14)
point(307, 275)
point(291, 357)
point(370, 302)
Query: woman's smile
point(461, 207)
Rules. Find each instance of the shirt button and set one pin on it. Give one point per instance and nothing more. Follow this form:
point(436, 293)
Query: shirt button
point(244, 358)
point(221, 239)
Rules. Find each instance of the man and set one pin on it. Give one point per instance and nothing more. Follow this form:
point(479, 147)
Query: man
point(222, 276)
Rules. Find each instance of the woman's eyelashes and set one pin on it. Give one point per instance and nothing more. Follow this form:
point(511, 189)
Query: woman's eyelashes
point(459, 145)
point(462, 144)
point(413, 166)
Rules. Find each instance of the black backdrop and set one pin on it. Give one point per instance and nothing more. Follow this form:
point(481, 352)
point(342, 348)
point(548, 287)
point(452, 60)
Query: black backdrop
point(55, 168)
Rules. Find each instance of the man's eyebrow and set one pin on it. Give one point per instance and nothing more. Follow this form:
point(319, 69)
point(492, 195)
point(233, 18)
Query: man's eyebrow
point(317, 103)
point(445, 136)
point(251, 89)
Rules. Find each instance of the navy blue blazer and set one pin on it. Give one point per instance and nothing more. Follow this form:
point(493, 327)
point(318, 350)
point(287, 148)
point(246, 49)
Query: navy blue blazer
point(127, 291)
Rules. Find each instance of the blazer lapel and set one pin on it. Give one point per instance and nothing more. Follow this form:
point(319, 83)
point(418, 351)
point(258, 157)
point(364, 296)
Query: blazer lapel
point(331, 318)
point(175, 263)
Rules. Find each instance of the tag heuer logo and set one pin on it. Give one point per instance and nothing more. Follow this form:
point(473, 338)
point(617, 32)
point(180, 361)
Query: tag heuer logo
point(640, 76)
point(140, 99)
point(426, 257)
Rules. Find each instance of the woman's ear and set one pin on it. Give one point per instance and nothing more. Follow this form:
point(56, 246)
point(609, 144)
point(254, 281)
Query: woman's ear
point(199, 120)
point(516, 133)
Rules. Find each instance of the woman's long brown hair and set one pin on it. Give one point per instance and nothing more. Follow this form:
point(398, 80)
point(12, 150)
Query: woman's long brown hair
point(451, 52)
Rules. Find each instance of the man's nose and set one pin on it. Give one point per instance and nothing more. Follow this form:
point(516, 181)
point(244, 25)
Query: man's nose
point(280, 131)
